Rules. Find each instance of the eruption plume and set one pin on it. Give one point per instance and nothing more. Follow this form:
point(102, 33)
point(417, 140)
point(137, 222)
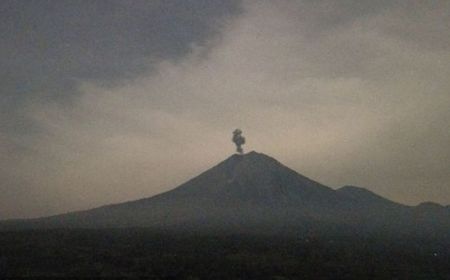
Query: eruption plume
point(239, 140)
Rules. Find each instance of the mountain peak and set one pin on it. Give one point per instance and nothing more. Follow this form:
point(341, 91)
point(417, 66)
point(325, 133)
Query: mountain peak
point(250, 158)
point(251, 177)
point(363, 195)
point(428, 205)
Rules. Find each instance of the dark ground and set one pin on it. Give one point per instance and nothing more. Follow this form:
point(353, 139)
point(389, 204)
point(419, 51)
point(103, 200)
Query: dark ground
point(164, 255)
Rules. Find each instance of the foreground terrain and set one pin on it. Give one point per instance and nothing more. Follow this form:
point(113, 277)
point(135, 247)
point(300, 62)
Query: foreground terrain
point(149, 253)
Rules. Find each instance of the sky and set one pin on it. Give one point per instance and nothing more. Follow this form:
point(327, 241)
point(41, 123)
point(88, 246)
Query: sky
point(110, 101)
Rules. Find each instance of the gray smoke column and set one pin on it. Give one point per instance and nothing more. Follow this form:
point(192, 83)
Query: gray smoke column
point(239, 140)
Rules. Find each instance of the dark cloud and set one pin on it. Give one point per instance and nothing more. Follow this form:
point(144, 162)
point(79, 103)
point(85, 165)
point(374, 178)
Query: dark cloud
point(48, 46)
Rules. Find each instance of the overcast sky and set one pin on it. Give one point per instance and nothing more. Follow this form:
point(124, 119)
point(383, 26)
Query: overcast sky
point(108, 101)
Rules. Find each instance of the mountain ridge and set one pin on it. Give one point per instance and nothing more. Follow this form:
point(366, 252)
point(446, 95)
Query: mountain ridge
point(251, 192)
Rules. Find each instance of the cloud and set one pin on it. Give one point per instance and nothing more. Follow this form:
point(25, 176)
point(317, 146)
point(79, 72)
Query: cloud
point(343, 95)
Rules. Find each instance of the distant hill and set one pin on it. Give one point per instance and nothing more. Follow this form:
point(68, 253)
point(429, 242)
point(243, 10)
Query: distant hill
point(256, 193)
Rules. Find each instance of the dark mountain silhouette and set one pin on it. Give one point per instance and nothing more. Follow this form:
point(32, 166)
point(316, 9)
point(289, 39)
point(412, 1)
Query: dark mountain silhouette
point(254, 192)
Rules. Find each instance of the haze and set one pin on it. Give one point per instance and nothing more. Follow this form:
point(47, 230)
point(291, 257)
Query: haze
point(108, 101)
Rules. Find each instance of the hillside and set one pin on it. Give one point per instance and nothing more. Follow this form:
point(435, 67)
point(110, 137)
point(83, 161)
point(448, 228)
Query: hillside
point(256, 193)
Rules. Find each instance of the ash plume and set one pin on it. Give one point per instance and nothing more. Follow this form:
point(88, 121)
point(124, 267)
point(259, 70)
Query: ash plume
point(239, 140)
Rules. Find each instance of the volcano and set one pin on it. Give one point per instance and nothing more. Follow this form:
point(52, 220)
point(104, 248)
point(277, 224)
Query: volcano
point(254, 192)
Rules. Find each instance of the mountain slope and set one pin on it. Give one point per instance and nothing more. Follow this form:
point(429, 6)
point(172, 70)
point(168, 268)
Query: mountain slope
point(251, 192)
point(242, 190)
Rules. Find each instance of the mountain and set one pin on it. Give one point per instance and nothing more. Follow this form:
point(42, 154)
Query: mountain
point(254, 192)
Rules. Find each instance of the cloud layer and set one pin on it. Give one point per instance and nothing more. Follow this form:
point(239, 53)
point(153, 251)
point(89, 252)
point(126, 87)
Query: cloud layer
point(345, 92)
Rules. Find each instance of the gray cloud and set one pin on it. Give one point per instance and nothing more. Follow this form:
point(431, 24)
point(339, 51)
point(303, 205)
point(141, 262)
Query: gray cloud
point(345, 92)
point(48, 47)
